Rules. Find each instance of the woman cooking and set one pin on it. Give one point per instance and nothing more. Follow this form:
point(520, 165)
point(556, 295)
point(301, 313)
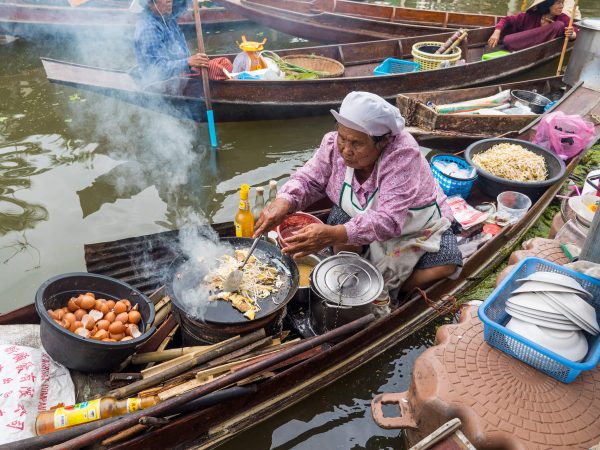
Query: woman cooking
point(543, 21)
point(384, 196)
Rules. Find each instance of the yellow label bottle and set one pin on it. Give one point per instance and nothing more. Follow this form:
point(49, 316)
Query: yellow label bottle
point(244, 221)
point(100, 408)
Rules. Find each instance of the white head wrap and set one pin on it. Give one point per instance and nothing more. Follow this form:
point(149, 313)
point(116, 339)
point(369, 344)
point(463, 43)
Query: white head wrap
point(370, 114)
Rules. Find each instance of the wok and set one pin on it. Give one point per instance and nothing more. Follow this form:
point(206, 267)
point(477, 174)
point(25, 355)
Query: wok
point(221, 312)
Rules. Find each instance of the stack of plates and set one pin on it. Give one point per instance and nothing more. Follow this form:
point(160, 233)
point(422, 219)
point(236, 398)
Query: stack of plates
point(550, 309)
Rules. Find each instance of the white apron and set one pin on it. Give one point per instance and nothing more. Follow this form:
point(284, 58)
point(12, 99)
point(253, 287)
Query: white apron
point(397, 257)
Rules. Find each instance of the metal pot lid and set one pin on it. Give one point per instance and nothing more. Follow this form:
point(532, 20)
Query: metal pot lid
point(347, 279)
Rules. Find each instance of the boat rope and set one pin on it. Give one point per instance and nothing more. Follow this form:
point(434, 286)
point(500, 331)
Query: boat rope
point(449, 302)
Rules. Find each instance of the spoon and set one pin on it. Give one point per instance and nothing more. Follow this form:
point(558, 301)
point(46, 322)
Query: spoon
point(234, 279)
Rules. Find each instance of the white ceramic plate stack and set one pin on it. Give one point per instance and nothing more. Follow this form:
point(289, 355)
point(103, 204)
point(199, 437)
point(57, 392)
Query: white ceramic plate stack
point(549, 309)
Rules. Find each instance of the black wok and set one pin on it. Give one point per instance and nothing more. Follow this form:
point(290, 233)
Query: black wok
point(221, 312)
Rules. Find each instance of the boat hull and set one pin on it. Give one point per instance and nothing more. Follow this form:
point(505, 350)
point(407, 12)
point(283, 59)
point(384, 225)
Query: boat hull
point(243, 100)
point(37, 20)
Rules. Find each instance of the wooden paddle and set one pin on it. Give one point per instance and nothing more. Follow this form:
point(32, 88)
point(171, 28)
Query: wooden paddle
point(564, 49)
point(205, 84)
point(523, 5)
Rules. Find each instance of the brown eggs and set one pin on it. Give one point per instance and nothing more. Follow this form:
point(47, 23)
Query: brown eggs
point(99, 319)
point(80, 313)
point(120, 307)
point(116, 327)
point(134, 316)
point(123, 317)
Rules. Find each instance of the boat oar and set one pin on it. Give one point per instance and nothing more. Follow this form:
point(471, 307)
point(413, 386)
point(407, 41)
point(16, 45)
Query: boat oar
point(523, 5)
point(168, 406)
point(205, 84)
point(564, 49)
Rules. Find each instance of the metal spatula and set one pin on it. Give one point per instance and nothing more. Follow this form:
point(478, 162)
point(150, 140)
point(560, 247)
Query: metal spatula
point(233, 280)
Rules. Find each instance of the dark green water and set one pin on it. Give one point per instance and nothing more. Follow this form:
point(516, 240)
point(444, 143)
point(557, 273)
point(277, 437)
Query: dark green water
point(78, 168)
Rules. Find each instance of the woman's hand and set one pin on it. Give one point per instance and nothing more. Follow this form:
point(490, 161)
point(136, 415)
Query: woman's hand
point(570, 33)
point(198, 60)
point(271, 216)
point(314, 238)
point(494, 38)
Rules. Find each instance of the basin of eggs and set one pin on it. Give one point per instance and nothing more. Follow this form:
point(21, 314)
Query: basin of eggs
point(99, 319)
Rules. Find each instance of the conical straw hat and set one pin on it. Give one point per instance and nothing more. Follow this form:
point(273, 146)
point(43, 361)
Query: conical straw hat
point(567, 8)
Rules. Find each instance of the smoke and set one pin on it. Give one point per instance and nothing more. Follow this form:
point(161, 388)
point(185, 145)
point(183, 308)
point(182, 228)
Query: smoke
point(200, 245)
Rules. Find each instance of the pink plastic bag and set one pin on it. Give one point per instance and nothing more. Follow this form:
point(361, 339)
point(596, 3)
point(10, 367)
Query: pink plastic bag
point(567, 136)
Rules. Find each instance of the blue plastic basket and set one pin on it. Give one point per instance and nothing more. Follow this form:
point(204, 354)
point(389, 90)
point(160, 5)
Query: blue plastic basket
point(494, 316)
point(450, 185)
point(393, 65)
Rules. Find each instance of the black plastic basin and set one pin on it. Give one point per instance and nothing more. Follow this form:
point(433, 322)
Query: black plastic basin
point(76, 352)
point(493, 185)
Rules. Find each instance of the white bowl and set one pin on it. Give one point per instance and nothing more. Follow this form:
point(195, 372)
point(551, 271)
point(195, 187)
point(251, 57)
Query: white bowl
point(558, 318)
point(568, 344)
point(556, 278)
point(542, 286)
point(573, 317)
point(574, 306)
point(534, 300)
point(567, 326)
point(581, 205)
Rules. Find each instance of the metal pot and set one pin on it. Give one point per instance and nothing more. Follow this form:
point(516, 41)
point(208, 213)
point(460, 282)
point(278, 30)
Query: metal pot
point(585, 58)
point(303, 293)
point(342, 289)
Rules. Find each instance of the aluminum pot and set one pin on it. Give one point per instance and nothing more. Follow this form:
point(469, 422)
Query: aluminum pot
point(342, 289)
point(584, 62)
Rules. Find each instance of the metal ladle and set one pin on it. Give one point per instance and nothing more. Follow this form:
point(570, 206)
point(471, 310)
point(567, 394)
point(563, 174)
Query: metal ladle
point(234, 279)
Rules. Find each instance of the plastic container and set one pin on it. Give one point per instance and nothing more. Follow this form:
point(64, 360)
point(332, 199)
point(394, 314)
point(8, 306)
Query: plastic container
point(76, 352)
point(393, 65)
point(493, 185)
point(513, 203)
point(494, 55)
point(292, 224)
point(494, 316)
point(451, 185)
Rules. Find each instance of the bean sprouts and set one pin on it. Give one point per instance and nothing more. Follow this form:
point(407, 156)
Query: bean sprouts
point(259, 280)
point(512, 162)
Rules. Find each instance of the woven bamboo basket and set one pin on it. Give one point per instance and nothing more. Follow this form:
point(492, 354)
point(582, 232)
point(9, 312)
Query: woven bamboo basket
point(430, 61)
point(332, 67)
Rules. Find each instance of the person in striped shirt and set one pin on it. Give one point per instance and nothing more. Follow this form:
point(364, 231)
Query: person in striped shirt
point(160, 47)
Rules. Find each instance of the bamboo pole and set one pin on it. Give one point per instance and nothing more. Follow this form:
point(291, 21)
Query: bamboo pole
point(134, 388)
point(205, 83)
point(523, 5)
point(167, 355)
point(564, 49)
point(169, 406)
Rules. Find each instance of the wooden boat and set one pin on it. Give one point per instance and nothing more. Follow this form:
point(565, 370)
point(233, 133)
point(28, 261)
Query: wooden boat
point(425, 124)
point(208, 427)
point(351, 22)
point(32, 20)
point(236, 100)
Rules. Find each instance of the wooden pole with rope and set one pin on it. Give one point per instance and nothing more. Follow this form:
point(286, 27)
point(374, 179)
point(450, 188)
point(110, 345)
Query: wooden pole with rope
point(564, 49)
point(205, 83)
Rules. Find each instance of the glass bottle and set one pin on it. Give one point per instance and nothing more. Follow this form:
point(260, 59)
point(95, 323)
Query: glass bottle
point(259, 203)
point(244, 222)
point(272, 192)
point(100, 408)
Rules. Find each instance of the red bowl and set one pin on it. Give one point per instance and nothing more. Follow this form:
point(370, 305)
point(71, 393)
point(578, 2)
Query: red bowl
point(292, 224)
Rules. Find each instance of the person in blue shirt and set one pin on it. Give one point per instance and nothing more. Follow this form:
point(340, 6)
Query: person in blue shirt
point(160, 47)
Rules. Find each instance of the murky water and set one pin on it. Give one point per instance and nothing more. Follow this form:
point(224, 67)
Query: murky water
point(76, 168)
